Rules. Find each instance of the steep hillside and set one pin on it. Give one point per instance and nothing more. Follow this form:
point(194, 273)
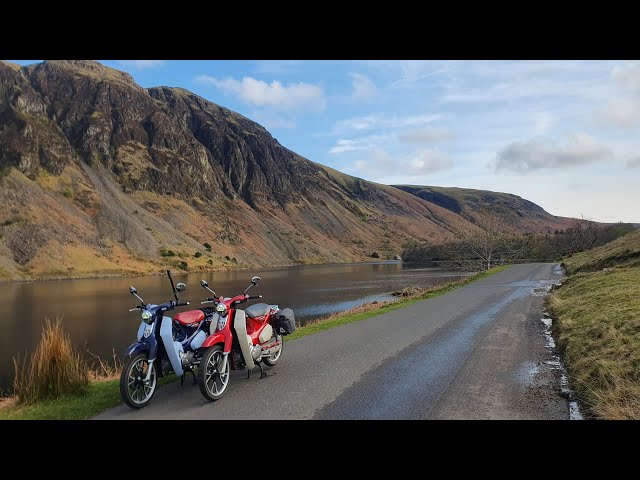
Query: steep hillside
point(623, 252)
point(100, 176)
point(522, 214)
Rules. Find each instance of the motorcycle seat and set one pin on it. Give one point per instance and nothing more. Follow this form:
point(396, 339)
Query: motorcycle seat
point(257, 310)
point(187, 318)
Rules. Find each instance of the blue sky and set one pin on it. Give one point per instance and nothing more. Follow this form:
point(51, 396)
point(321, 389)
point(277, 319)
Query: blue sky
point(563, 134)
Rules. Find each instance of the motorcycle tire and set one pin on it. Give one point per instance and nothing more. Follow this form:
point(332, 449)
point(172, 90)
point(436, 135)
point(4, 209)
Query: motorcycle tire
point(134, 392)
point(213, 384)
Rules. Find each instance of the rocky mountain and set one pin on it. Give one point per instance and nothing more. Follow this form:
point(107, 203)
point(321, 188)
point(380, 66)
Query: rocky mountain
point(100, 176)
point(521, 214)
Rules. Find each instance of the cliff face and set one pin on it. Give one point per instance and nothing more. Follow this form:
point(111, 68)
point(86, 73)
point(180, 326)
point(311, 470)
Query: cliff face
point(101, 176)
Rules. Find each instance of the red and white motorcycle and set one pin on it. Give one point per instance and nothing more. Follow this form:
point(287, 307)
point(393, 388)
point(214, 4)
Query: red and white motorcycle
point(250, 337)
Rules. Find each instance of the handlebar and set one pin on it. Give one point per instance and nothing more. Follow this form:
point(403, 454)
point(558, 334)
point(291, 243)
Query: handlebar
point(247, 297)
point(165, 306)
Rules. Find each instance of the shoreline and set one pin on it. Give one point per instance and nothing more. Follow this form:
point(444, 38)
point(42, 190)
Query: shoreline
point(183, 272)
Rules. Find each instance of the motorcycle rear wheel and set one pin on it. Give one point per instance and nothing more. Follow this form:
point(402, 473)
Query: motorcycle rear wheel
point(213, 373)
point(133, 390)
point(272, 359)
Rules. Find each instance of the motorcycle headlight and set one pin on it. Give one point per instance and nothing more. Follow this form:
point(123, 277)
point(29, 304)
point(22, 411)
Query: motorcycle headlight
point(221, 308)
point(146, 316)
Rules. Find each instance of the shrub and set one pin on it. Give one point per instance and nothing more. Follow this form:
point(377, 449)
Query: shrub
point(207, 246)
point(183, 265)
point(227, 257)
point(11, 221)
point(197, 254)
point(54, 368)
point(67, 192)
point(167, 253)
point(375, 255)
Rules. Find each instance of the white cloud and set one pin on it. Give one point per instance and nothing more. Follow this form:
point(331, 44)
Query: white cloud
point(368, 142)
point(382, 165)
point(619, 113)
point(363, 87)
point(628, 76)
point(141, 64)
point(294, 96)
point(344, 146)
point(426, 135)
point(541, 122)
point(429, 161)
point(382, 121)
point(542, 153)
point(634, 163)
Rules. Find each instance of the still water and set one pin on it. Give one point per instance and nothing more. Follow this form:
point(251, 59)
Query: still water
point(95, 311)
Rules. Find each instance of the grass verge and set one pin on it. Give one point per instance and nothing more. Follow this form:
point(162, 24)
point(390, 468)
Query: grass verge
point(597, 324)
point(103, 394)
point(100, 395)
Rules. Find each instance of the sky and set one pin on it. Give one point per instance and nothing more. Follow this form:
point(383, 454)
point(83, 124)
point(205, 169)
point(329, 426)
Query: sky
point(563, 134)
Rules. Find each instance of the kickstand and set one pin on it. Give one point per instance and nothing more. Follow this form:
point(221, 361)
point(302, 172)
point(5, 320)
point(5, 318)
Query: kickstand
point(262, 372)
point(185, 374)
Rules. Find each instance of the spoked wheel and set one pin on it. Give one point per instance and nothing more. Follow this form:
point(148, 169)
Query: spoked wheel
point(272, 359)
point(213, 373)
point(134, 390)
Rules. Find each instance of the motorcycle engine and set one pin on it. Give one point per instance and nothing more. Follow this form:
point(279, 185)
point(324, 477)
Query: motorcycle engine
point(256, 351)
point(186, 358)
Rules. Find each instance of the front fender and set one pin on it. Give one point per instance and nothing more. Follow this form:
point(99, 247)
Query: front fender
point(218, 337)
point(136, 348)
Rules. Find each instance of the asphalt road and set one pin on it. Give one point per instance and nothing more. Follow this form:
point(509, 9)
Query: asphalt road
point(478, 352)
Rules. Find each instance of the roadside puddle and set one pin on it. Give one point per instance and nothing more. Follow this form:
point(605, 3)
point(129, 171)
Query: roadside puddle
point(556, 364)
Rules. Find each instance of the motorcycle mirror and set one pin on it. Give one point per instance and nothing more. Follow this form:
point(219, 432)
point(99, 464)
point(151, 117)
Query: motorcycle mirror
point(133, 290)
point(255, 280)
point(181, 287)
point(204, 283)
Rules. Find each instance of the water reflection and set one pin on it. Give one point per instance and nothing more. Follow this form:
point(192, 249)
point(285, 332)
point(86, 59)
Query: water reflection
point(95, 311)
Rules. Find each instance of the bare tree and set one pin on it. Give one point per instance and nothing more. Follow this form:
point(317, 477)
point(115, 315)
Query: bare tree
point(583, 234)
point(492, 234)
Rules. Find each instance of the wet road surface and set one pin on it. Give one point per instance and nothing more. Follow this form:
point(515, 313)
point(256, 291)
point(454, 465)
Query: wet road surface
point(478, 352)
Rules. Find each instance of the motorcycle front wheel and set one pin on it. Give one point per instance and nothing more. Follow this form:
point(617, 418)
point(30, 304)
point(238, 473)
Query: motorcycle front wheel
point(133, 389)
point(213, 373)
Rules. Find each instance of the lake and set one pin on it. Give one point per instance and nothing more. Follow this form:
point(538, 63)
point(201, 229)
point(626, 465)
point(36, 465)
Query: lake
point(95, 311)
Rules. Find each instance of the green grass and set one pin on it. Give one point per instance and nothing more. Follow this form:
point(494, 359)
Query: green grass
point(100, 396)
point(622, 252)
point(357, 315)
point(105, 394)
point(597, 323)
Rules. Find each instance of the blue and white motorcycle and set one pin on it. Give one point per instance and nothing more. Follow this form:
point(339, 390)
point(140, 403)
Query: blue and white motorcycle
point(164, 345)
